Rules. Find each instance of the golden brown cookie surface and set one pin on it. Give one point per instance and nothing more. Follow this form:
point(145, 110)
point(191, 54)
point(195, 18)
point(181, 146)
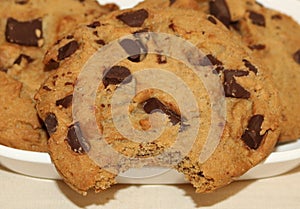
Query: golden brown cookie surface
point(250, 127)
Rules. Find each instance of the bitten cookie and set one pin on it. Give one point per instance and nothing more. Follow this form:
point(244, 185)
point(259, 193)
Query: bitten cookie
point(252, 106)
point(28, 28)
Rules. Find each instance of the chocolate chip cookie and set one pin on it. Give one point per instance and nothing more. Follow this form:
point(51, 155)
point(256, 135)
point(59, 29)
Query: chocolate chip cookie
point(19, 118)
point(274, 38)
point(28, 28)
point(127, 93)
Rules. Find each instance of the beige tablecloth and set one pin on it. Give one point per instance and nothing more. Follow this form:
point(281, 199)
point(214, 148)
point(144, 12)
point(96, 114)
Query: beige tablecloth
point(22, 192)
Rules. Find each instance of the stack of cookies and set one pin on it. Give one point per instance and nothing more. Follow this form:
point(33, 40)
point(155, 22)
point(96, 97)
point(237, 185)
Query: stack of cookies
point(206, 87)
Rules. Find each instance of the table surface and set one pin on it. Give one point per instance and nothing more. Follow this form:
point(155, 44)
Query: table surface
point(281, 192)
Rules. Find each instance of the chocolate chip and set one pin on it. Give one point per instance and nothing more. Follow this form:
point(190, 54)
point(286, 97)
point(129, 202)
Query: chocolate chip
point(76, 140)
point(257, 19)
point(116, 75)
point(135, 18)
point(100, 42)
point(69, 37)
point(135, 49)
point(210, 60)
point(231, 87)
point(251, 136)
point(276, 17)
point(172, 2)
point(296, 56)
point(174, 118)
point(69, 84)
point(218, 69)
point(257, 47)
point(200, 174)
point(236, 26)
point(21, 57)
point(161, 59)
point(96, 33)
point(21, 2)
point(51, 123)
point(153, 104)
point(65, 102)
point(94, 24)
point(51, 65)
point(67, 50)
point(46, 88)
point(3, 70)
point(213, 20)
point(250, 66)
point(219, 9)
point(28, 33)
point(172, 26)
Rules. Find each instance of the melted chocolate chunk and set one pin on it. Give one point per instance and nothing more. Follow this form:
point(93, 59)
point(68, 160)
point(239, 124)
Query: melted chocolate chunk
point(296, 56)
point(3, 70)
point(251, 136)
point(210, 60)
point(172, 27)
point(21, 2)
point(69, 37)
point(257, 47)
point(250, 66)
point(116, 75)
point(65, 102)
point(231, 87)
point(96, 33)
point(69, 84)
point(219, 9)
point(200, 174)
point(135, 18)
point(218, 69)
point(51, 123)
point(257, 19)
point(67, 50)
point(94, 24)
point(212, 20)
point(153, 104)
point(276, 17)
point(21, 57)
point(51, 65)
point(28, 33)
point(76, 140)
point(100, 42)
point(135, 49)
point(46, 88)
point(236, 26)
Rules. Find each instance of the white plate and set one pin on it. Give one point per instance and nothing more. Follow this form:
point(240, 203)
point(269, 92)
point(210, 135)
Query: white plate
point(283, 159)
